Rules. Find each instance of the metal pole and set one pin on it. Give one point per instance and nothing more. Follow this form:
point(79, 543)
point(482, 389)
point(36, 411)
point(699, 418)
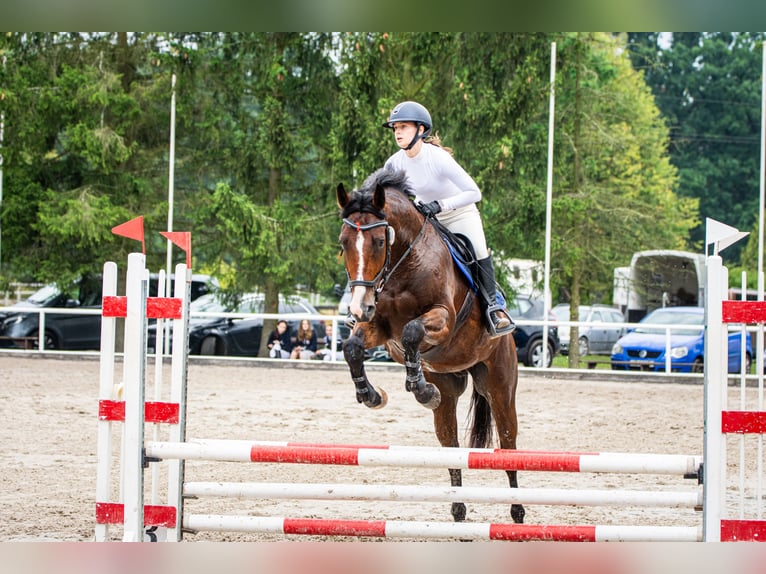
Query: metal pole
point(2, 129)
point(548, 202)
point(171, 184)
point(762, 183)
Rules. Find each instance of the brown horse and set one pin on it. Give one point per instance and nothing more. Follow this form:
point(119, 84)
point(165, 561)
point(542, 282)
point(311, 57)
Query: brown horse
point(408, 295)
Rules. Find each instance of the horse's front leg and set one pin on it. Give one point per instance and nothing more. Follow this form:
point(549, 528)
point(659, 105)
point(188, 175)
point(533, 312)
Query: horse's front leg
point(353, 351)
point(425, 393)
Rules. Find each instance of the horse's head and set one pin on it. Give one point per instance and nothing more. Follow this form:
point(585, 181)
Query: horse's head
point(367, 238)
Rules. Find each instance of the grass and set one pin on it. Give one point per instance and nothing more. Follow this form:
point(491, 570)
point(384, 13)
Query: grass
point(562, 361)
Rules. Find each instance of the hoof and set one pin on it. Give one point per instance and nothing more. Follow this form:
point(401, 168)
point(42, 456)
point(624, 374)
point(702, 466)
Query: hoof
point(430, 397)
point(517, 513)
point(383, 400)
point(458, 511)
point(379, 404)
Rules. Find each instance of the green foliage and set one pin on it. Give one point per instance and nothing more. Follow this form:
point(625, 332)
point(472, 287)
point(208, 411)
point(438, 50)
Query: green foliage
point(267, 124)
point(613, 180)
point(708, 87)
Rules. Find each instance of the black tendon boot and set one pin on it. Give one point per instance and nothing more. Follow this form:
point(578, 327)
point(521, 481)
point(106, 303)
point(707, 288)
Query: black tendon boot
point(498, 320)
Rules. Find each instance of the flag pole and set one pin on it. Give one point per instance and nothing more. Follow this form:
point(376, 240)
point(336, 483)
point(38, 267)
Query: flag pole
point(2, 129)
point(763, 167)
point(171, 178)
point(160, 351)
point(548, 203)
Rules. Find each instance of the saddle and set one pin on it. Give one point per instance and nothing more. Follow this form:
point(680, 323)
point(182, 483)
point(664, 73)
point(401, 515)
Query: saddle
point(464, 257)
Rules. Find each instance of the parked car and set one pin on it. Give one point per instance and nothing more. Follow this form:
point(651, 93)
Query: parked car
point(529, 338)
point(592, 339)
point(69, 331)
point(643, 348)
point(235, 337)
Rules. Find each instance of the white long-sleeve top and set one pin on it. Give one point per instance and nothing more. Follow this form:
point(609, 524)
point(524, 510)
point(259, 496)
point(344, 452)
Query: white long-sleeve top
point(435, 176)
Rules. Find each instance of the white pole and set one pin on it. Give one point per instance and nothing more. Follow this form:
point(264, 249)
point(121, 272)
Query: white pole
point(2, 129)
point(548, 206)
point(159, 353)
point(714, 488)
point(134, 379)
point(762, 183)
point(760, 335)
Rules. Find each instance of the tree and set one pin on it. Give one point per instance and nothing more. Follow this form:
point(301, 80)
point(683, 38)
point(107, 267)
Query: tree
point(75, 130)
point(708, 86)
point(614, 178)
point(264, 101)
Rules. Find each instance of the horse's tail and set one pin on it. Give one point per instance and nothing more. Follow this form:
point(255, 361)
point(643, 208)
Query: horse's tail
point(481, 424)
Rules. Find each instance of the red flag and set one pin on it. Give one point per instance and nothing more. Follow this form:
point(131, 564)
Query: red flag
point(182, 239)
point(133, 229)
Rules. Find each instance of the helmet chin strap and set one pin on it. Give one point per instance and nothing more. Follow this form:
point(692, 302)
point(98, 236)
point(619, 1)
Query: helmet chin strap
point(417, 137)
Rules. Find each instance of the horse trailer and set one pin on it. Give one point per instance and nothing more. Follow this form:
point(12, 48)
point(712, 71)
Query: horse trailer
point(659, 278)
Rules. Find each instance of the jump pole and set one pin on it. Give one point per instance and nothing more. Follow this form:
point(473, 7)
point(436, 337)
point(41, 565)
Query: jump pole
point(436, 457)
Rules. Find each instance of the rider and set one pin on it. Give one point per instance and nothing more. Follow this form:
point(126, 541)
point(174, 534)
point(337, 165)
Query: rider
point(446, 191)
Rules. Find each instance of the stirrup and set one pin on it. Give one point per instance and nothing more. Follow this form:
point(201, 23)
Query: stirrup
point(492, 327)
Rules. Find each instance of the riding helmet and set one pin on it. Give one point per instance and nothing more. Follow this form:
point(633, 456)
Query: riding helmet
point(410, 112)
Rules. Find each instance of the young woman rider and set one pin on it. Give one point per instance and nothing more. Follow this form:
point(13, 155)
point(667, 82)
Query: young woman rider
point(445, 191)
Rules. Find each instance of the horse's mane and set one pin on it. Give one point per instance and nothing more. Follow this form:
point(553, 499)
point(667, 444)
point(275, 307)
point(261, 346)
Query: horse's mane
point(361, 200)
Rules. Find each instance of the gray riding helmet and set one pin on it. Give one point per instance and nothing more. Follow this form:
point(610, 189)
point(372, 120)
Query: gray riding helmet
point(411, 112)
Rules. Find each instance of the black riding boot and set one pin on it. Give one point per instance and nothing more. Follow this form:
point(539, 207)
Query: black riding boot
point(498, 320)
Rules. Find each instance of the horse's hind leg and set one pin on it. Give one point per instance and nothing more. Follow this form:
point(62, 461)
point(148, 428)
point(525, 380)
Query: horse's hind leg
point(498, 388)
point(425, 393)
point(353, 351)
point(445, 425)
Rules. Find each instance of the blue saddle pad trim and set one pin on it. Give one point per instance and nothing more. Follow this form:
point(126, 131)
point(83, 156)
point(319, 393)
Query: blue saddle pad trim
point(463, 267)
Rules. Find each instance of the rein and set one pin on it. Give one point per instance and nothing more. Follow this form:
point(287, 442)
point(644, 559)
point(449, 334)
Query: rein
point(380, 280)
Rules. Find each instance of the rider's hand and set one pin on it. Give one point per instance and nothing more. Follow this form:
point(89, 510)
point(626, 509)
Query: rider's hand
point(430, 209)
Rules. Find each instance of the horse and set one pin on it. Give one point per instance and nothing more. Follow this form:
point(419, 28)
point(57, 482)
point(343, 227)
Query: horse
point(408, 295)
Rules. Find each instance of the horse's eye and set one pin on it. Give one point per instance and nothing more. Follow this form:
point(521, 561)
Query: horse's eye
point(381, 243)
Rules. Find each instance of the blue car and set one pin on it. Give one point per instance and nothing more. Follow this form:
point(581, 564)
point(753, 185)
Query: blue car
point(643, 348)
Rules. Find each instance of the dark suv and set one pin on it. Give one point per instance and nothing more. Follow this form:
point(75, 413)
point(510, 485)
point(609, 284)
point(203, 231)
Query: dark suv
point(529, 338)
point(20, 323)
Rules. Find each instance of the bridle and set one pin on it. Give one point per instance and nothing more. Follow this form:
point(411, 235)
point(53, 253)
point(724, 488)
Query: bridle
point(380, 280)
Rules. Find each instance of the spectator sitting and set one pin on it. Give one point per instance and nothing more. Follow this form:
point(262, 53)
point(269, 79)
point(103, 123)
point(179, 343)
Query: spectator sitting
point(306, 343)
point(330, 353)
point(280, 341)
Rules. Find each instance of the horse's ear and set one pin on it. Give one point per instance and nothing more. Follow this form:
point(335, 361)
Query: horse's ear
point(379, 197)
point(341, 196)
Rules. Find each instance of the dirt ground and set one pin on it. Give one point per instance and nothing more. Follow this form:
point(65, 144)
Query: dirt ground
point(49, 408)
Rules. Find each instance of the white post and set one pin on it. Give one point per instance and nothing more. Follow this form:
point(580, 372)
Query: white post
point(180, 359)
point(106, 391)
point(134, 376)
point(715, 399)
point(158, 364)
point(762, 186)
point(2, 129)
point(548, 205)
point(171, 187)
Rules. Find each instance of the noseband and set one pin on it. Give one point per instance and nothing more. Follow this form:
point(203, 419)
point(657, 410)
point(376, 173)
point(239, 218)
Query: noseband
point(379, 281)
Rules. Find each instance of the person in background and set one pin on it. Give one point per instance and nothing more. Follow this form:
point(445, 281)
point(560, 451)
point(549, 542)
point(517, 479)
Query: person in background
point(327, 353)
point(280, 341)
point(444, 190)
point(306, 342)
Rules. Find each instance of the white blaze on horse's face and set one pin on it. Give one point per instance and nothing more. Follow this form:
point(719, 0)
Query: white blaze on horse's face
point(358, 292)
point(362, 304)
